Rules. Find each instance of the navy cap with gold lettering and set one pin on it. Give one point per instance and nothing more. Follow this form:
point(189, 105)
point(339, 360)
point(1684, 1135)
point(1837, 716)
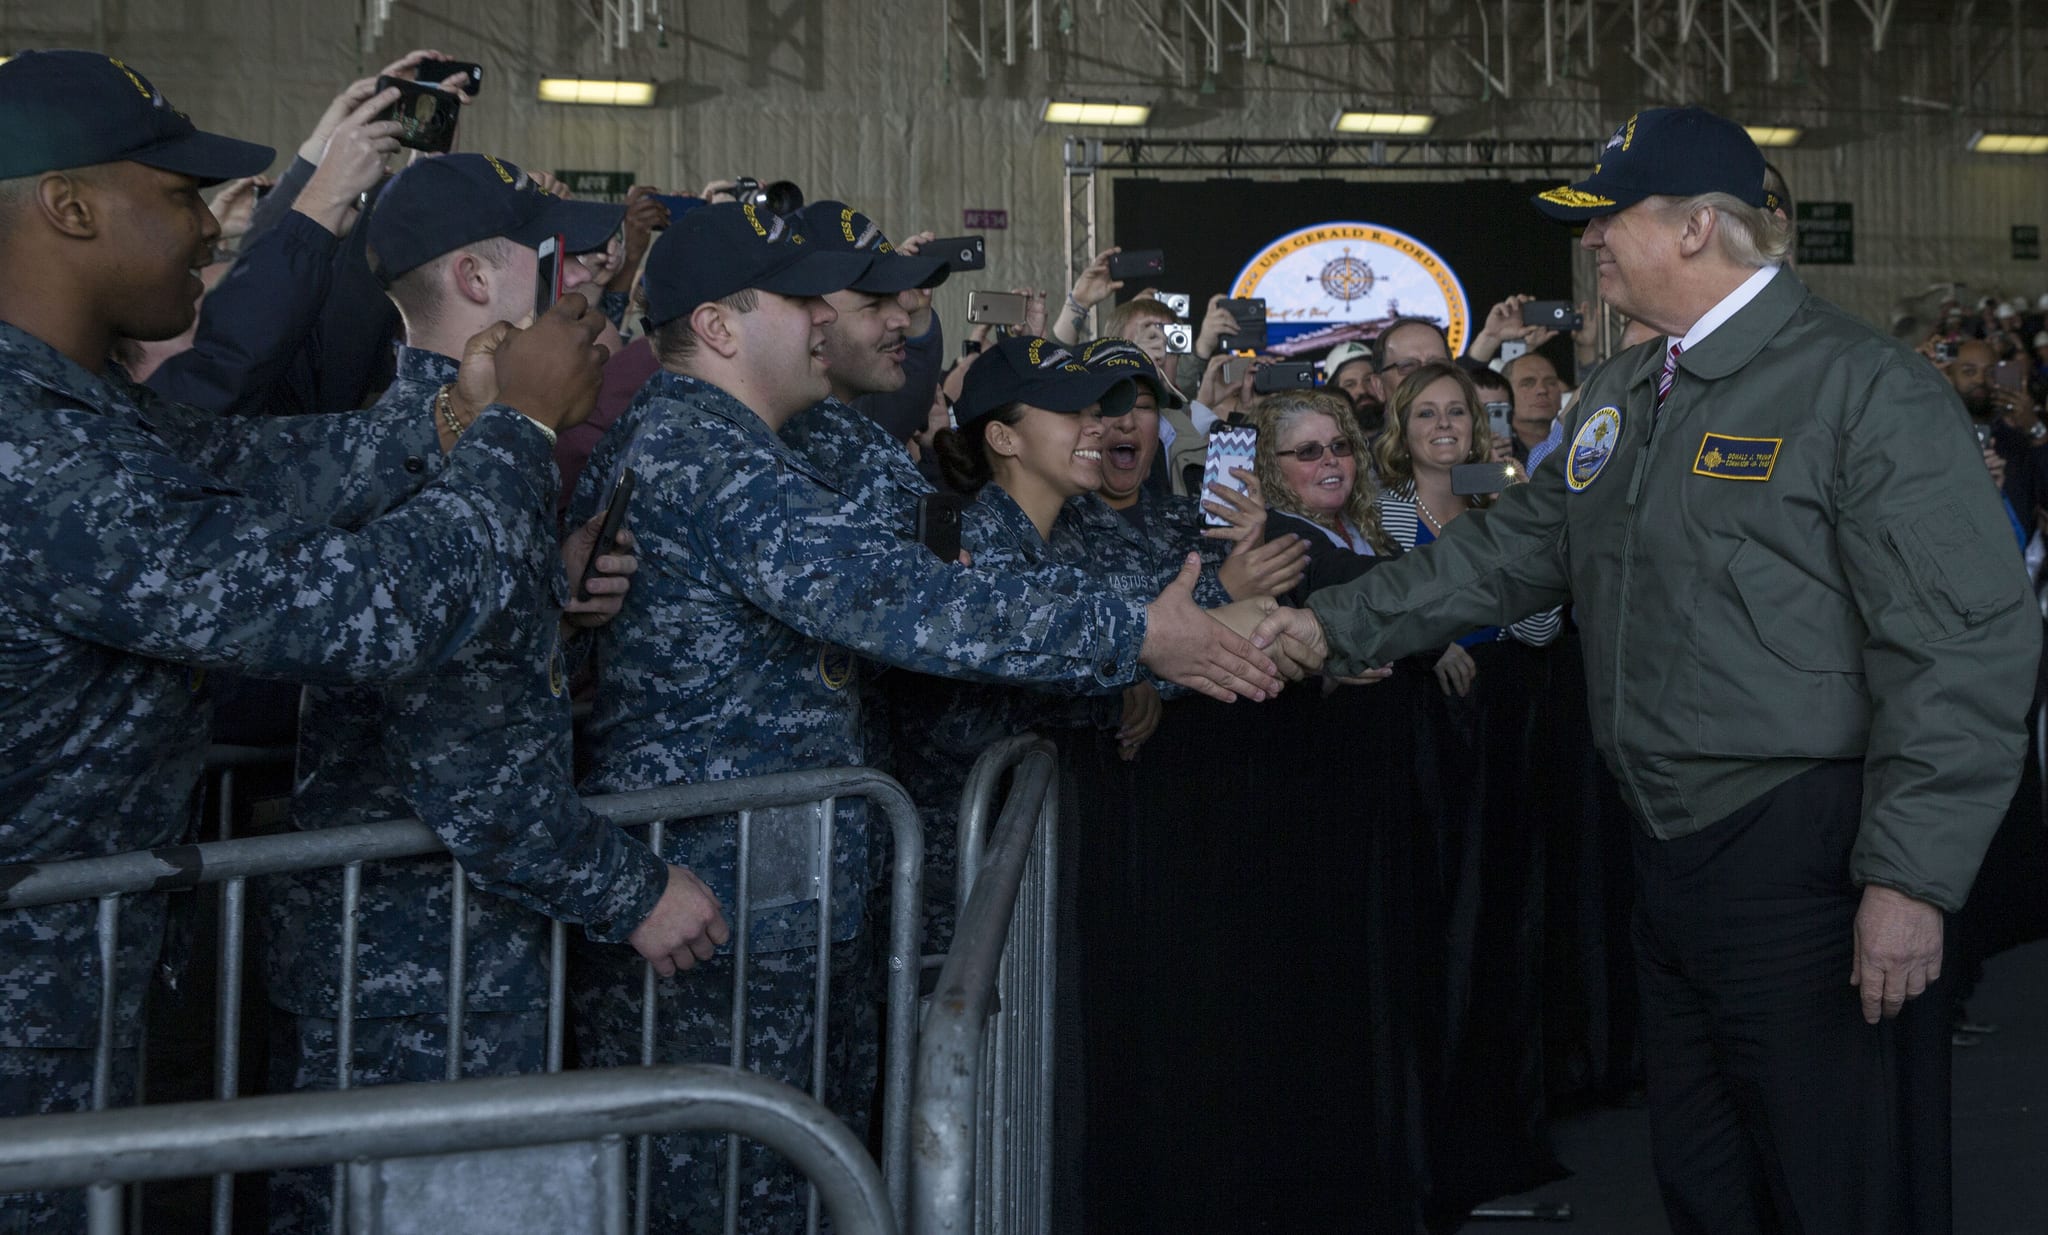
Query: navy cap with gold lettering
point(723, 249)
point(439, 205)
point(65, 109)
point(1664, 152)
point(836, 225)
point(1045, 374)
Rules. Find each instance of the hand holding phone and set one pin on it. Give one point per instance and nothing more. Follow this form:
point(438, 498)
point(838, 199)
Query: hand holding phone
point(996, 308)
point(433, 72)
point(1559, 315)
point(960, 252)
point(1230, 448)
point(1250, 315)
point(608, 533)
point(426, 115)
point(1137, 264)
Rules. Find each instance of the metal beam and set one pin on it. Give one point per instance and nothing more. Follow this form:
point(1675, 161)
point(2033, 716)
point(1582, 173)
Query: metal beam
point(1146, 154)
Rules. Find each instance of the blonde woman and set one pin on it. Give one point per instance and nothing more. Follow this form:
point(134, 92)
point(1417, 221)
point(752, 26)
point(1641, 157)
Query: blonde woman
point(1309, 466)
point(1432, 426)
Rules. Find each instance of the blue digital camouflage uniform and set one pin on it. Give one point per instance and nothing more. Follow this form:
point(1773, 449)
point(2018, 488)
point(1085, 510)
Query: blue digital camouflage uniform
point(479, 749)
point(735, 656)
point(143, 543)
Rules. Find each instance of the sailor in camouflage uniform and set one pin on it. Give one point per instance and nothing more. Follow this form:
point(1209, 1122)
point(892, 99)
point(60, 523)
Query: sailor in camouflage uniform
point(735, 653)
point(480, 749)
point(143, 543)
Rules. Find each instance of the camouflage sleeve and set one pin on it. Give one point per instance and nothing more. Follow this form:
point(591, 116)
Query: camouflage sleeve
point(343, 469)
point(482, 749)
point(124, 545)
point(824, 567)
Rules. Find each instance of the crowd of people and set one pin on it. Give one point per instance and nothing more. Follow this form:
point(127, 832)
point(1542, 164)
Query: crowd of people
point(310, 464)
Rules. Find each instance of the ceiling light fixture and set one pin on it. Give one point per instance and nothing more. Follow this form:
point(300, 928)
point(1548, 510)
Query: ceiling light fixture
point(1384, 123)
point(1122, 114)
point(596, 91)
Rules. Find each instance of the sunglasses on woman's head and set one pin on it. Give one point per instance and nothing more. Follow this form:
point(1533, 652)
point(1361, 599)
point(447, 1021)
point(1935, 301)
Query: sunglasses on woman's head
point(1309, 452)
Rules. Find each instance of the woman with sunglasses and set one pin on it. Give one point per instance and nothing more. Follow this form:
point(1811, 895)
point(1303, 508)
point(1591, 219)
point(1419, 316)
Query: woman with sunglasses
point(1308, 470)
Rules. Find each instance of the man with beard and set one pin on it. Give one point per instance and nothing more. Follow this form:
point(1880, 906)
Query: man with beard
point(1349, 368)
point(2008, 417)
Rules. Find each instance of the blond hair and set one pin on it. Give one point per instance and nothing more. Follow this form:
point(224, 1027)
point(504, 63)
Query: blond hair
point(1272, 415)
point(1397, 465)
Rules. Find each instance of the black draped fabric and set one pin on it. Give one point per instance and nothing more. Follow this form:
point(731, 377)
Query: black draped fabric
point(1250, 970)
point(1481, 836)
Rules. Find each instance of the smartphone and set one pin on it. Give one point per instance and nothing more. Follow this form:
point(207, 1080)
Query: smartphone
point(608, 531)
point(960, 252)
point(1983, 431)
point(426, 115)
point(1500, 417)
point(678, 204)
point(1479, 479)
point(547, 286)
point(2009, 375)
point(1235, 446)
point(995, 308)
point(1559, 315)
point(938, 524)
point(1137, 264)
point(1944, 350)
point(261, 191)
point(432, 72)
point(1288, 375)
point(1233, 369)
point(1250, 315)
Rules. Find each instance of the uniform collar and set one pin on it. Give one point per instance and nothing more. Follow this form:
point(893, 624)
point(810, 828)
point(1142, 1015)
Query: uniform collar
point(1732, 343)
point(36, 361)
point(997, 506)
point(702, 394)
point(417, 364)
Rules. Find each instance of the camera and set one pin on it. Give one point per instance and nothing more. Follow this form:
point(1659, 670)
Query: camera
point(1177, 301)
point(1180, 338)
point(747, 191)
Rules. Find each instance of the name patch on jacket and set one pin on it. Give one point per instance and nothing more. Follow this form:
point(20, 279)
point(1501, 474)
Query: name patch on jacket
point(1737, 458)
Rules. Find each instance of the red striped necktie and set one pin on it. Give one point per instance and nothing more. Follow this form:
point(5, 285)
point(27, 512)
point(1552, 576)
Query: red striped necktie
point(1670, 374)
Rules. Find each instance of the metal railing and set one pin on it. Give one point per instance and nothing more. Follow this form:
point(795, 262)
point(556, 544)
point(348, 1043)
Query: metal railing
point(983, 1112)
point(232, 862)
point(449, 1131)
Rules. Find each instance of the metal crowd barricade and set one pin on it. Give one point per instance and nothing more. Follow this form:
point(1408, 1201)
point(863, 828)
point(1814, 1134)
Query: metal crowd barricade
point(983, 1115)
point(458, 1157)
point(232, 862)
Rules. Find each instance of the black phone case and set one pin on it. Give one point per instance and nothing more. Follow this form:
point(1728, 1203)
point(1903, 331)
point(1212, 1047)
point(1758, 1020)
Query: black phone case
point(938, 525)
point(608, 531)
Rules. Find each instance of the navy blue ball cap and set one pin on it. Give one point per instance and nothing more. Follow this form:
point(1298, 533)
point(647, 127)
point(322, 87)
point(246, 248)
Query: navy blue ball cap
point(729, 247)
point(65, 109)
point(438, 205)
point(1664, 152)
point(1042, 373)
point(836, 225)
point(1126, 359)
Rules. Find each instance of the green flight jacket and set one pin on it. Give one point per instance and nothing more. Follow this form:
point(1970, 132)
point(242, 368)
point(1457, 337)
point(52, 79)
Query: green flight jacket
point(1800, 558)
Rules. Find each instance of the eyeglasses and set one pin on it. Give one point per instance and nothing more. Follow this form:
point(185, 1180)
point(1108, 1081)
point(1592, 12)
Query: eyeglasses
point(1309, 452)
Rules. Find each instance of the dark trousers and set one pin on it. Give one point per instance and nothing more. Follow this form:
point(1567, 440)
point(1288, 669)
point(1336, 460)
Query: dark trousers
point(1775, 1110)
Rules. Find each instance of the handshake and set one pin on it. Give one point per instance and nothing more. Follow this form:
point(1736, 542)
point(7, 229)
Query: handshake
point(1260, 643)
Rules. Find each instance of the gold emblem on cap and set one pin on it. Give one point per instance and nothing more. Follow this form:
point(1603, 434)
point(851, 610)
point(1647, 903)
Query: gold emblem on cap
point(1576, 199)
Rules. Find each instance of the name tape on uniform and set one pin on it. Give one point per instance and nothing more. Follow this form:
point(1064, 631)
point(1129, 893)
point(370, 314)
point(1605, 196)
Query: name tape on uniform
point(1737, 458)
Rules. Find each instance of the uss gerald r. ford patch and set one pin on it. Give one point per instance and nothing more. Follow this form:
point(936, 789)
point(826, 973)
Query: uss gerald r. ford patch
point(1592, 447)
point(1736, 458)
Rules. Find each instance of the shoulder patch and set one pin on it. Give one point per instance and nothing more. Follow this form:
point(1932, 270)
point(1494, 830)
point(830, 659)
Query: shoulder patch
point(1592, 447)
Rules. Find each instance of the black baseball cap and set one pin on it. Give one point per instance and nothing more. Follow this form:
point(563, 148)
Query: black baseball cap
point(1664, 152)
point(64, 109)
point(836, 225)
point(1042, 373)
point(438, 205)
point(728, 247)
point(1127, 359)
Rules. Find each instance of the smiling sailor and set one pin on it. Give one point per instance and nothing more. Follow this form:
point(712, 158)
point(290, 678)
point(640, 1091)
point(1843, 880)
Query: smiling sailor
point(1808, 642)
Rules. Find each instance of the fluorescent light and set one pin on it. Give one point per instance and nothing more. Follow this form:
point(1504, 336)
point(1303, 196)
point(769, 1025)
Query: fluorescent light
point(1383, 123)
point(2010, 143)
point(1774, 134)
point(590, 90)
point(1057, 112)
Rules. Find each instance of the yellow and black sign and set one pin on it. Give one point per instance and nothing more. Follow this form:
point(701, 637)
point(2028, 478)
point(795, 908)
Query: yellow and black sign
point(1737, 458)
